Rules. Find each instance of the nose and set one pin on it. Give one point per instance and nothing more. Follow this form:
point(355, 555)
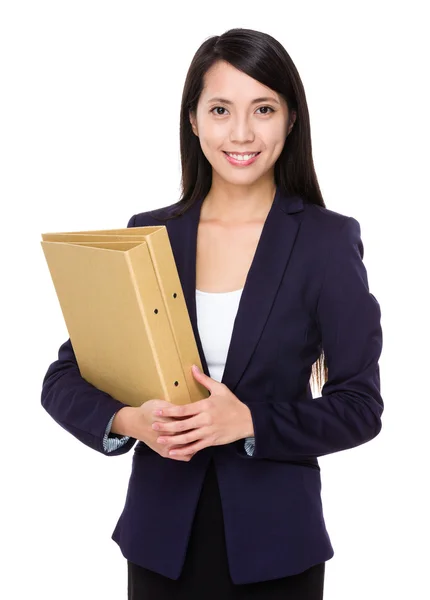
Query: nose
point(241, 131)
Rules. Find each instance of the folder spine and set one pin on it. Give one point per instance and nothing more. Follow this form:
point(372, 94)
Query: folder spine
point(148, 328)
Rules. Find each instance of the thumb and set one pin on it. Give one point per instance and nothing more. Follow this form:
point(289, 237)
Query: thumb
point(202, 378)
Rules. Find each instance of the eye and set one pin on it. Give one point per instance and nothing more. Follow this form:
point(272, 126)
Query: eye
point(215, 108)
point(265, 113)
point(222, 108)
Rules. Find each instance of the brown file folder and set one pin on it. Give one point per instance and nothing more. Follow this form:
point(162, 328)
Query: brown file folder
point(123, 305)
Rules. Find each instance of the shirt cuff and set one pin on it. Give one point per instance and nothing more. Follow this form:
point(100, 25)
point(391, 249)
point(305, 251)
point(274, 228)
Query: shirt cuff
point(249, 445)
point(111, 443)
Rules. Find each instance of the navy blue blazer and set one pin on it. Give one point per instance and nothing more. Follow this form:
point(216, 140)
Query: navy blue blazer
point(306, 289)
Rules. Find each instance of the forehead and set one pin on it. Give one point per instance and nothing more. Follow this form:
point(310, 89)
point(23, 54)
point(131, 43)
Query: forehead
point(222, 79)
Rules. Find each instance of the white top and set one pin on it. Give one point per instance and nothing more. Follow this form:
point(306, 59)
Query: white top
point(216, 313)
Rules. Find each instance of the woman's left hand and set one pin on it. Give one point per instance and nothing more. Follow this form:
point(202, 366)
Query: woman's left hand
point(220, 419)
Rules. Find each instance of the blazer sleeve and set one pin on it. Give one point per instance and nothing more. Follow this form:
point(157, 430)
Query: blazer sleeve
point(348, 413)
point(78, 406)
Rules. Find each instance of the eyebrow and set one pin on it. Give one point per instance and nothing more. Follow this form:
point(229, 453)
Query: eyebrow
point(256, 101)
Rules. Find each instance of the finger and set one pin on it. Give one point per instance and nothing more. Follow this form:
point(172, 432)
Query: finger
point(181, 458)
point(187, 455)
point(174, 426)
point(204, 379)
point(167, 419)
point(182, 410)
point(186, 450)
point(181, 439)
point(184, 458)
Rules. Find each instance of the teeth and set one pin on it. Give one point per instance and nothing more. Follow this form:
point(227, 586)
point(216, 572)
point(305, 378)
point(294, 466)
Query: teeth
point(242, 156)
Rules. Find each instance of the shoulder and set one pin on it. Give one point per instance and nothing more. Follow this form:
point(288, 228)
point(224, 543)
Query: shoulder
point(328, 227)
point(326, 221)
point(328, 236)
point(152, 217)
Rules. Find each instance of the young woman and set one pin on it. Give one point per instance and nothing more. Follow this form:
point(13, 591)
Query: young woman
point(278, 298)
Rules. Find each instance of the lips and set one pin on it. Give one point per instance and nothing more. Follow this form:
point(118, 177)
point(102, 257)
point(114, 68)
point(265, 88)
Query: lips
point(242, 162)
point(242, 153)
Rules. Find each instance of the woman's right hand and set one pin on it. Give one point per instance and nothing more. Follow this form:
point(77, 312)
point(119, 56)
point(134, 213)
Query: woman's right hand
point(137, 423)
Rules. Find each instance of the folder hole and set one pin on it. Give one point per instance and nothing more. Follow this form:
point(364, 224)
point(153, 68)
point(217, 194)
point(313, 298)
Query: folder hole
point(176, 383)
point(175, 294)
point(156, 311)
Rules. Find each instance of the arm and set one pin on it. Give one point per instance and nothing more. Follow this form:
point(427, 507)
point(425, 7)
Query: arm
point(348, 413)
point(78, 406)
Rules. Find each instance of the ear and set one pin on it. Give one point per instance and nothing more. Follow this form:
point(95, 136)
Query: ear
point(293, 116)
point(193, 122)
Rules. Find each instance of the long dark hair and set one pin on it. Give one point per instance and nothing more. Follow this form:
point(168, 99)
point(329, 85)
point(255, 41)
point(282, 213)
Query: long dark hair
point(263, 58)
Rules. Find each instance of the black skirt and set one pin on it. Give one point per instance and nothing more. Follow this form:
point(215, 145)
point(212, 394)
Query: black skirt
point(205, 573)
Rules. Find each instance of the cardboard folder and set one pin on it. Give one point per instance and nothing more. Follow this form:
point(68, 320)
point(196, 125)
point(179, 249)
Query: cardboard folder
point(123, 305)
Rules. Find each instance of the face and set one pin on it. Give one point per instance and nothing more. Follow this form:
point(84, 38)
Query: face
point(239, 124)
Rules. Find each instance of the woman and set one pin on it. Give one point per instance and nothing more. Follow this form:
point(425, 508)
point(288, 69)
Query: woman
point(278, 288)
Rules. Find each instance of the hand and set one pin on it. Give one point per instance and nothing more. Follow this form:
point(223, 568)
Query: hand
point(220, 419)
point(141, 422)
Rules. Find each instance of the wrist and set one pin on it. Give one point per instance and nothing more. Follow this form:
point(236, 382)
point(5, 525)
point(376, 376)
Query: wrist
point(123, 421)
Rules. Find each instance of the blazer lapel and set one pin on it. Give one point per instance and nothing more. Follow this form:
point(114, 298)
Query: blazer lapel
point(264, 277)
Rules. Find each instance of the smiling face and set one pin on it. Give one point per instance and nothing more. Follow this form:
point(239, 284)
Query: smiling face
point(237, 114)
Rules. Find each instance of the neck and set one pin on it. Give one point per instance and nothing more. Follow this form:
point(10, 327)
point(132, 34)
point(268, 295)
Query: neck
point(229, 203)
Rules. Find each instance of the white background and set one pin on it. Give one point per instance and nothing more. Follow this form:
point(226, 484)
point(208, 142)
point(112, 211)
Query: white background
point(90, 98)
